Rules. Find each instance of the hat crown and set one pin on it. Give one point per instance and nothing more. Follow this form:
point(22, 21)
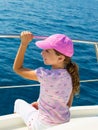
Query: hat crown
point(62, 43)
point(59, 42)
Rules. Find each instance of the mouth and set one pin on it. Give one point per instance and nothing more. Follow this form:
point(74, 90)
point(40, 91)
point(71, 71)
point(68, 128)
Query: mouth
point(44, 59)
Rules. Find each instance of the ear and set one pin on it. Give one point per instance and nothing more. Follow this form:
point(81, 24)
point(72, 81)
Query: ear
point(61, 58)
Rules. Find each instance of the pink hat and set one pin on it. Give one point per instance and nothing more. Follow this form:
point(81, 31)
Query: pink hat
point(59, 42)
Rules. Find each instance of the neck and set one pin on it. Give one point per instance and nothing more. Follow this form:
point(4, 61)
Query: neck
point(58, 67)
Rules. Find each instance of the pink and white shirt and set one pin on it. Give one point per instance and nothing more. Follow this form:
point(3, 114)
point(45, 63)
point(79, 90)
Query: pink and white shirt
point(55, 90)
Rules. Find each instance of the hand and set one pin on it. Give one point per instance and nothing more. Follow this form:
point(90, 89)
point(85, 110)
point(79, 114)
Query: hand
point(26, 37)
point(35, 105)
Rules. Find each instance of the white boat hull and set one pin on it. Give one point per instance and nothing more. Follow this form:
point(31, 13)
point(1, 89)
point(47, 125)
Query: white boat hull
point(82, 118)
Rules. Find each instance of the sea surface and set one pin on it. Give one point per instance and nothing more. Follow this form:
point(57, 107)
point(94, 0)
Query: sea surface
point(76, 18)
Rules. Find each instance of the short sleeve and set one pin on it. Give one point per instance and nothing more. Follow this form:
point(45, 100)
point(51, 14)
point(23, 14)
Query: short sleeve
point(40, 74)
point(44, 74)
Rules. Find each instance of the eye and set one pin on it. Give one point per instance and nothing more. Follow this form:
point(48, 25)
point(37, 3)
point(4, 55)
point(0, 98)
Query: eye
point(47, 51)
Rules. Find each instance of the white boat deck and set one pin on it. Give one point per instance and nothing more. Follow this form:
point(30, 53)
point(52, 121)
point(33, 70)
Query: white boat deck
point(12, 122)
point(82, 118)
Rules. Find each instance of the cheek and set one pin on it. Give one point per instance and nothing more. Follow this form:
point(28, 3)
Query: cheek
point(54, 59)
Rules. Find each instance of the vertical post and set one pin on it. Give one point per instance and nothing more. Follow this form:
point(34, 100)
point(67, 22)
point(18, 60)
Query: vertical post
point(96, 49)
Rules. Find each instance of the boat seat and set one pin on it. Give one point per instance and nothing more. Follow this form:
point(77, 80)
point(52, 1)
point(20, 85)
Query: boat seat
point(12, 122)
point(22, 128)
point(82, 117)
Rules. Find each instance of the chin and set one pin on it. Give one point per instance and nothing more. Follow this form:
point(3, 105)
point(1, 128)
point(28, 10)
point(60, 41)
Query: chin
point(46, 63)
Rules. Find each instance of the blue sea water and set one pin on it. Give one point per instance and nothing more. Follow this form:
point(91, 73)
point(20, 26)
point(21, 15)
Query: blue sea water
point(76, 18)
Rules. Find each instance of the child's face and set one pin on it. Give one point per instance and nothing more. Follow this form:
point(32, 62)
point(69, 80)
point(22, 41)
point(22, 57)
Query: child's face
point(51, 58)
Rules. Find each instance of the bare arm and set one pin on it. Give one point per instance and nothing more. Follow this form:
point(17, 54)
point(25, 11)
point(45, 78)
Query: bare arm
point(26, 38)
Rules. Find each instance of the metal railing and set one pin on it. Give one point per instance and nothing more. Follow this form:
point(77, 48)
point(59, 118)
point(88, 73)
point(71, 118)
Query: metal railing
point(43, 37)
point(33, 85)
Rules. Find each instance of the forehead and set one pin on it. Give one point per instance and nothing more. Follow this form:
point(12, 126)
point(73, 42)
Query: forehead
point(50, 50)
point(53, 51)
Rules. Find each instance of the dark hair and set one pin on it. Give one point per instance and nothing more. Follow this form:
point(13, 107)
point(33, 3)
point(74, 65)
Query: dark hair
point(73, 70)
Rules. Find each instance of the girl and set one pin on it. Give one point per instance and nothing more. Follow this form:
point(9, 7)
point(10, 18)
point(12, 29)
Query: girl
point(58, 85)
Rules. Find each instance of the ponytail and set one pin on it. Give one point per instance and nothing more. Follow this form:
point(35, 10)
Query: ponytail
point(73, 70)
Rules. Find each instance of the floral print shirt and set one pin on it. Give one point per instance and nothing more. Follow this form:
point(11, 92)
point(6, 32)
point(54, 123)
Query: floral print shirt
point(55, 90)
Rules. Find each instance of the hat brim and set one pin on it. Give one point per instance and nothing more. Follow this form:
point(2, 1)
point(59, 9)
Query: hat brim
point(44, 44)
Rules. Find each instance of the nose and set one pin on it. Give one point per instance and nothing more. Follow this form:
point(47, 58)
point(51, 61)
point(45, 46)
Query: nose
point(42, 53)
